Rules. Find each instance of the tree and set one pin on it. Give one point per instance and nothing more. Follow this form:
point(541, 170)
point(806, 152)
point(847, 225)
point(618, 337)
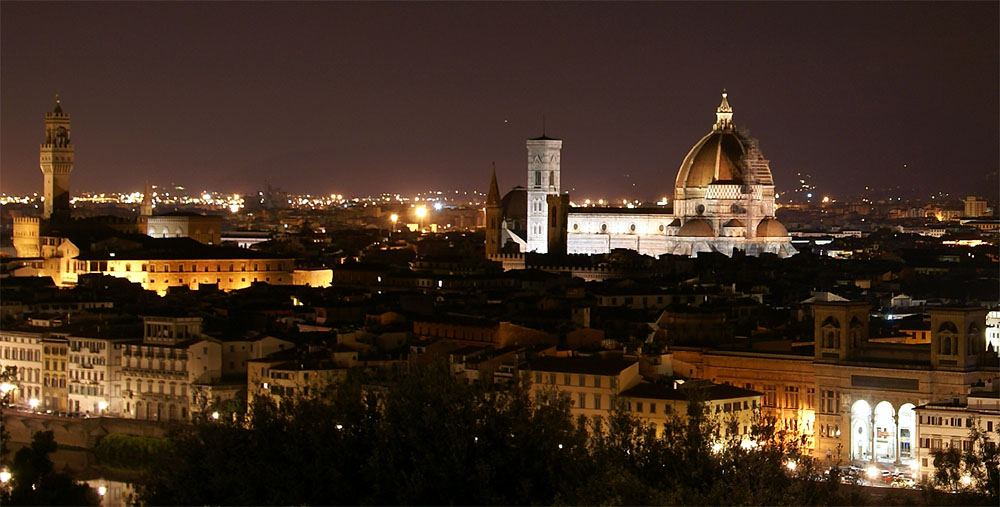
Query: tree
point(974, 472)
point(34, 482)
point(425, 436)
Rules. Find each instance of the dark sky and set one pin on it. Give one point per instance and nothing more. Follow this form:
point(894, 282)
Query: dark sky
point(359, 98)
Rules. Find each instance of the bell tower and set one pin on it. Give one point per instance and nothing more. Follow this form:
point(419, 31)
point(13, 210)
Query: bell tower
point(494, 217)
point(55, 158)
point(543, 181)
point(840, 328)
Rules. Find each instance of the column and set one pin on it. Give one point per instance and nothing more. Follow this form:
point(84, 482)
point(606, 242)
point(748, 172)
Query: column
point(871, 436)
point(895, 420)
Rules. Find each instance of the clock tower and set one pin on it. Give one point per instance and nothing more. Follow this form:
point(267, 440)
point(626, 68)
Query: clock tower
point(55, 158)
point(543, 181)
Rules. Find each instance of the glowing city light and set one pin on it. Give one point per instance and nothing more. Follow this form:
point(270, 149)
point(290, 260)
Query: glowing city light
point(872, 472)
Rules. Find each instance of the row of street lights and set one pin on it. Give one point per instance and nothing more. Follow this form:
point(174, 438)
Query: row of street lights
point(8, 379)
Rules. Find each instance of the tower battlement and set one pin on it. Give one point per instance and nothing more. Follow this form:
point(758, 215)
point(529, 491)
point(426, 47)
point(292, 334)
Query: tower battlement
point(55, 159)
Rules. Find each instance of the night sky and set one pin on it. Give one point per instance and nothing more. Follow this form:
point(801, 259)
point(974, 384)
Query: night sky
point(364, 98)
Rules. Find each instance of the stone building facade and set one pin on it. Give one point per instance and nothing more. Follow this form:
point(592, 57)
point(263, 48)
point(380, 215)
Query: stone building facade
point(723, 202)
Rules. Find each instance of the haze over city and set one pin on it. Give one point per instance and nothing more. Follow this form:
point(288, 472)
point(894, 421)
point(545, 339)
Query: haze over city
point(363, 98)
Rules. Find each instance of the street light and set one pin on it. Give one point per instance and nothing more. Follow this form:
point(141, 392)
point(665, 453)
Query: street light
point(102, 406)
point(8, 379)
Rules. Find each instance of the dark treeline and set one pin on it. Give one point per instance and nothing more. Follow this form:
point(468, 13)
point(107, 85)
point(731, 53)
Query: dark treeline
point(428, 438)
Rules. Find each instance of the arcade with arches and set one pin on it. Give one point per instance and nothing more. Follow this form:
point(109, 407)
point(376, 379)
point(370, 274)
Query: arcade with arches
point(883, 433)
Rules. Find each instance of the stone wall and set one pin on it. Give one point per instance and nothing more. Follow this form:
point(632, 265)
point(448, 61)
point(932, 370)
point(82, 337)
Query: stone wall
point(76, 432)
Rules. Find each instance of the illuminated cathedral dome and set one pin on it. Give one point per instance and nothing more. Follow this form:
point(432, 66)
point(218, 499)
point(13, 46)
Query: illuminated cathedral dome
point(714, 159)
point(771, 228)
point(717, 157)
point(696, 228)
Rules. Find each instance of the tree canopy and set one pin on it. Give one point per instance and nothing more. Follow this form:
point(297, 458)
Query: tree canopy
point(425, 437)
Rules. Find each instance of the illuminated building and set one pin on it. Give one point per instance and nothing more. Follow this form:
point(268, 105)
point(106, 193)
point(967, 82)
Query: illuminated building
point(56, 161)
point(158, 373)
point(723, 202)
point(974, 207)
point(55, 357)
point(543, 182)
point(592, 384)
point(657, 404)
point(855, 399)
point(205, 229)
point(945, 424)
point(23, 351)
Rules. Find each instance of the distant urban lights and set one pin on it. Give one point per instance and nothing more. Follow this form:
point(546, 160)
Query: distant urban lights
point(421, 211)
point(438, 206)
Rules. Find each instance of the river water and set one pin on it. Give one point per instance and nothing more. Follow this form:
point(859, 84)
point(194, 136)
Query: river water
point(118, 488)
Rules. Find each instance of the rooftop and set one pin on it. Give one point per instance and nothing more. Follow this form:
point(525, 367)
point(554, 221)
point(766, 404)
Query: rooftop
point(586, 366)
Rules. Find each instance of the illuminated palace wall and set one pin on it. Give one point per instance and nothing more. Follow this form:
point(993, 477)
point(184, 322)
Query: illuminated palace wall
point(854, 399)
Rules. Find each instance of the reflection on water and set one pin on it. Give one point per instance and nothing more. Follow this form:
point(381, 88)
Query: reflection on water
point(118, 487)
point(113, 493)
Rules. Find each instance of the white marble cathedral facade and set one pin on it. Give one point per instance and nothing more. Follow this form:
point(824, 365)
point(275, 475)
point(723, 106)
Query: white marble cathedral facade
point(723, 202)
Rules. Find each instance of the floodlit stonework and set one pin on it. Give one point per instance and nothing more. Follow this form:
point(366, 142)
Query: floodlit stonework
point(723, 202)
point(55, 158)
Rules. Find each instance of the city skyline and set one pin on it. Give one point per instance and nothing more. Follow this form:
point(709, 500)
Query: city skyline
point(359, 99)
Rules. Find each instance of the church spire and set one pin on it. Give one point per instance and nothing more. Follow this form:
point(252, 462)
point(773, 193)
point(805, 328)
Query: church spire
point(146, 208)
point(724, 114)
point(493, 197)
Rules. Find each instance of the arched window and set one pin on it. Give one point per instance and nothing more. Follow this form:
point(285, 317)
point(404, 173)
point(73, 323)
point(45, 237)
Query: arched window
point(974, 345)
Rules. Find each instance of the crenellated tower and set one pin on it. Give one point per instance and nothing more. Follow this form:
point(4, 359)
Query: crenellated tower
point(543, 181)
point(55, 158)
